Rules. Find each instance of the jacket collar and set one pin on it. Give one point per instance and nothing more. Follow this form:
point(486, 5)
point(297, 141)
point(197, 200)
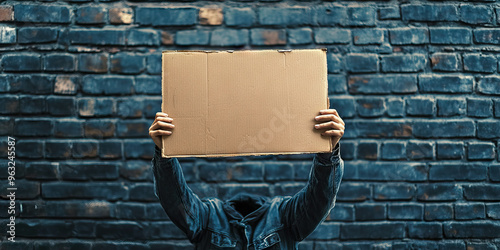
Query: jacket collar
point(258, 204)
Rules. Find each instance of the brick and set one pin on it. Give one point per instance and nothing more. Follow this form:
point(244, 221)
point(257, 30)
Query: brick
point(151, 106)
point(361, 16)
point(31, 84)
point(457, 172)
point(469, 211)
point(425, 230)
point(226, 191)
point(66, 190)
point(68, 128)
point(450, 35)
point(403, 63)
point(330, 14)
point(97, 36)
point(37, 35)
point(444, 129)
point(377, 84)
point(278, 171)
point(385, 171)
point(451, 107)
point(380, 129)
point(445, 83)
point(96, 107)
point(140, 170)
point(93, 63)
point(6, 13)
point(32, 13)
point(127, 63)
point(32, 105)
point(353, 192)
point(132, 128)
point(91, 15)
point(143, 192)
point(420, 150)
point(452, 245)
point(47, 228)
point(348, 149)
point(332, 36)
point(85, 149)
point(33, 127)
point(481, 151)
point(488, 129)
point(229, 37)
point(449, 150)
point(167, 38)
point(121, 15)
point(479, 229)
point(367, 150)
point(405, 211)
point(488, 85)
point(7, 34)
point(139, 148)
point(481, 245)
point(166, 230)
point(108, 85)
point(446, 62)
point(110, 149)
point(6, 126)
point(337, 84)
point(147, 37)
point(395, 107)
point(192, 37)
point(370, 107)
point(493, 211)
point(487, 35)
point(153, 63)
point(63, 245)
point(482, 192)
point(342, 213)
point(362, 63)
point(300, 36)
point(344, 105)
point(369, 230)
point(479, 108)
point(393, 150)
point(476, 14)
point(368, 36)
point(240, 17)
point(61, 106)
point(58, 149)
point(438, 212)
point(393, 191)
point(495, 172)
point(285, 16)
point(66, 85)
point(429, 12)
point(245, 172)
point(389, 12)
point(99, 128)
point(89, 170)
point(335, 63)
point(439, 192)
point(182, 16)
point(59, 62)
point(120, 229)
point(480, 63)
point(21, 62)
point(496, 108)
point(325, 231)
point(130, 108)
point(420, 106)
point(370, 212)
point(130, 211)
point(10, 105)
point(259, 36)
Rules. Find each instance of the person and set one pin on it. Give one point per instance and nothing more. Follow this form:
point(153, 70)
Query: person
point(248, 221)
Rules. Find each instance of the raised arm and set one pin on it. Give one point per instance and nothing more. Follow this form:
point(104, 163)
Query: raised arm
point(310, 206)
point(183, 207)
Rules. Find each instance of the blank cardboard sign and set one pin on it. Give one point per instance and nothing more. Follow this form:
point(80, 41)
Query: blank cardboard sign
point(249, 102)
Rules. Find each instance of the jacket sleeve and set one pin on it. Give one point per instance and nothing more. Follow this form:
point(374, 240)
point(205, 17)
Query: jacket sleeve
point(302, 213)
point(183, 206)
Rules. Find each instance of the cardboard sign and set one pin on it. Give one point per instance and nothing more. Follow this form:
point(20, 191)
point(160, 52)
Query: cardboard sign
point(249, 102)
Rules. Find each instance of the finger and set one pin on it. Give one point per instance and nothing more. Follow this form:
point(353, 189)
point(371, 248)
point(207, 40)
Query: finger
point(329, 117)
point(328, 111)
point(165, 119)
point(329, 125)
point(336, 133)
point(161, 125)
point(161, 114)
point(155, 133)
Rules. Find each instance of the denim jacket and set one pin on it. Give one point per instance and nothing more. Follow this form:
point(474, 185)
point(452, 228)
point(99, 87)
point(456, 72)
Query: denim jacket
point(248, 221)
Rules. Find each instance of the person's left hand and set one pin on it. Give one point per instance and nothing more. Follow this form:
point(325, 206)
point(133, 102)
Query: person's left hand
point(331, 121)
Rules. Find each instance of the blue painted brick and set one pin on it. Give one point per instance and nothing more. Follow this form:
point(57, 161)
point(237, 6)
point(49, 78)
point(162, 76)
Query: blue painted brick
point(450, 35)
point(42, 170)
point(110, 149)
point(444, 129)
point(449, 150)
point(335, 63)
point(369, 84)
point(487, 36)
point(37, 35)
point(480, 63)
point(445, 83)
point(21, 62)
point(367, 150)
point(91, 15)
point(479, 108)
point(395, 107)
point(33, 127)
point(342, 213)
point(372, 230)
point(32, 149)
point(153, 63)
point(87, 149)
point(353, 192)
point(112, 85)
point(33, 84)
point(480, 151)
point(10, 105)
point(389, 12)
point(450, 245)
point(97, 36)
point(384, 171)
point(451, 107)
point(93, 63)
point(42, 13)
point(337, 84)
point(457, 172)
point(284, 16)
point(130, 108)
point(240, 17)
point(58, 149)
point(438, 212)
point(489, 85)
point(7, 35)
point(402, 84)
point(59, 62)
point(370, 212)
point(127, 63)
point(300, 36)
point(330, 14)
point(68, 128)
point(278, 171)
point(420, 106)
point(370, 107)
point(469, 211)
point(393, 150)
point(380, 129)
point(345, 106)
point(362, 63)
point(148, 85)
point(99, 128)
point(182, 16)
point(229, 37)
point(488, 129)
point(368, 36)
point(481, 192)
point(332, 36)
point(138, 37)
point(361, 15)
point(95, 107)
point(420, 150)
point(445, 62)
point(429, 12)
point(493, 211)
point(192, 37)
point(406, 36)
point(439, 192)
point(61, 106)
point(260, 36)
point(132, 128)
point(348, 149)
point(400, 191)
point(66, 84)
point(497, 108)
point(32, 104)
point(425, 230)
point(476, 14)
point(403, 63)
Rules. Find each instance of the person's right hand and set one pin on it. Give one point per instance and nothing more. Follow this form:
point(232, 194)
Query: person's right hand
point(162, 125)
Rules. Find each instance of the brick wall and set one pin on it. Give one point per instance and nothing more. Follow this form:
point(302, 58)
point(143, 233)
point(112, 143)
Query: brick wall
point(416, 82)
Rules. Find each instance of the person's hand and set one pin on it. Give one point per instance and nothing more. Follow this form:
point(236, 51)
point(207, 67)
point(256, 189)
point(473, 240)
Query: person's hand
point(162, 125)
point(331, 121)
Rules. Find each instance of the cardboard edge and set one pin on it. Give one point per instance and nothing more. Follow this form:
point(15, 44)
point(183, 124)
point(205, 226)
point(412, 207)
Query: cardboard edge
point(246, 154)
point(243, 50)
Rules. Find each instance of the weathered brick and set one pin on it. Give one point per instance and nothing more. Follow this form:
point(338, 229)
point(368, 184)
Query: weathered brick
point(392, 150)
point(139, 148)
point(405, 211)
point(370, 107)
point(68, 128)
point(278, 171)
point(21, 62)
point(85, 149)
point(447, 62)
point(42, 170)
point(353, 192)
point(395, 107)
point(32, 84)
point(370, 212)
point(344, 105)
point(143, 192)
point(380, 129)
point(332, 36)
point(481, 151)
point(110, 149)
point(495, 172)
point(259, 36)
point(389, 12)
point(6, 13)
point(10, 105)
point(31, 149)
point(130, 211)
point(425, 230)
point(393, 191)
point(438, 212)
point(480, 63)
point(47, 228)
point(97, 36)
point(42, 13)
point(450, 35)
point(285, 16)
point(192, 37)
point(7, 34)
point(469, 211)
point(429, 12)
point(89, 170)
point(361, 15)
point(229, 37)
point(420, 106)
point(93, 63)
point(377, 84)
point(61, 106)
point(482, 192)
point(33, 127)
point(488, 129)
point(439, 192)
point(406, 36)
point(369, 230)
point(167, 38)
point(362, 63)
point(127, 63)
point(66, 84)
point(132, 128)
point(99, 128)
point(342, 213)
point(450, 150)
point(120, 229)
point(420, 150)
point(169, 16)
point(141, 170)
point(479, 108)
point(337, 84)
point(32, 105)
point(59, 62)
point(488, 85)
point(58, 149)
point(457, 172)
point(68, 190)
point(385, 171)
point(109, 85)
point(367, 150)
point(445, 83)
point(476, 14)
point(241, 17)
point(493, 210)
point(479, 229)
point(368, 36)
point(130, 107)
point(487, 35)
point(330, 14)
point(37, 35)
point(138, 37)
point(300, 36)
point(227, 191)
point(121, 15)
point(451, 107)
point(403, 63)
point(96, 107)
point(91, 15)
